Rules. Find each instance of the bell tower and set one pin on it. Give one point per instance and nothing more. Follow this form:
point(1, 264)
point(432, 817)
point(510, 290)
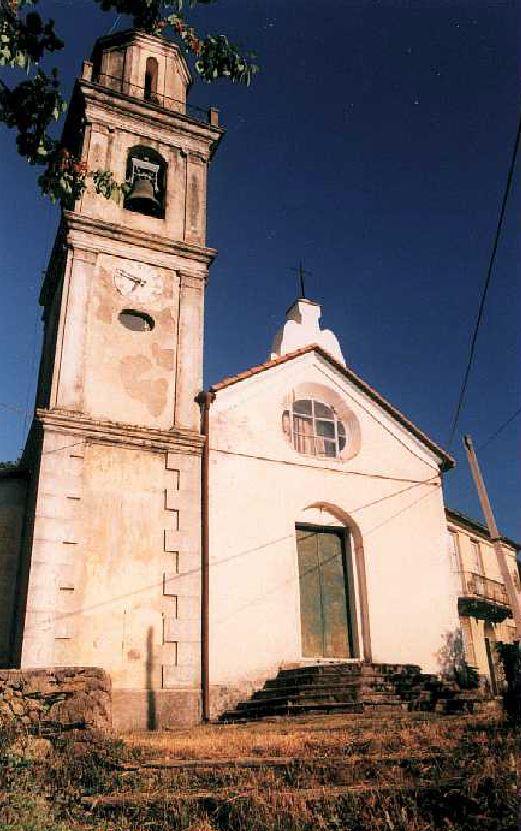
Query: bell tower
point(111, 573)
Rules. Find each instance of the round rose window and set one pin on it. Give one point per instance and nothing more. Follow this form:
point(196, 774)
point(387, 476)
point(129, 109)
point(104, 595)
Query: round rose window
point(314, 429)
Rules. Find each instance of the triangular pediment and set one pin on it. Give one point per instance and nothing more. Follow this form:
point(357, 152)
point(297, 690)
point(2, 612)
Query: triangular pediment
point(373, 400)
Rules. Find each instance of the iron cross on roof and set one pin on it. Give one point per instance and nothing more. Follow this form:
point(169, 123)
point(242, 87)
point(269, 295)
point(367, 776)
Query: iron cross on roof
point(301, 272)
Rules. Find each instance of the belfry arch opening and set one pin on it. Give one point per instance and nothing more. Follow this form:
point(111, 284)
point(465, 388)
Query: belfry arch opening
point(146, 181)
point(151, 72)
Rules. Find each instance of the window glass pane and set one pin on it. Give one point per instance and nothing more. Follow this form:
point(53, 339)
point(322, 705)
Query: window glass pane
point(325, 428)
point(314, 428)
point(321, 411)
point(302, 407)
point(301, 424)
point(329, 448)
point(303, 435)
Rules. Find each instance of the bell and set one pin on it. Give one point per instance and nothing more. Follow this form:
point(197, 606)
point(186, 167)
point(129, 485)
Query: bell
point(141, 198)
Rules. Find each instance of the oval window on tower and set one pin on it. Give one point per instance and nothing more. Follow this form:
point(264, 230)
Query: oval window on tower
point(136, 321)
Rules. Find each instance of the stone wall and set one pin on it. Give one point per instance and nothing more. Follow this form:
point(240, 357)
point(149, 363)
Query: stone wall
point(56, 700)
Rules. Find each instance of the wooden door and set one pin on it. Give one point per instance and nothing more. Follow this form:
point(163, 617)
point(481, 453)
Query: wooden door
point(324, 613)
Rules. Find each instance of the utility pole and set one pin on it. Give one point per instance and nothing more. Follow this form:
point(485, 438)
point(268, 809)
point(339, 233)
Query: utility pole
point(495, 536)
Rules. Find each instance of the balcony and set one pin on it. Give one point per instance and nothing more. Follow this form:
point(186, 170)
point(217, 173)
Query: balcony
point(483, 598)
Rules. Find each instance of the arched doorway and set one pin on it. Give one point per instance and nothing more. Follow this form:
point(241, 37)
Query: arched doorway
point(327, 614)
point(334, 620)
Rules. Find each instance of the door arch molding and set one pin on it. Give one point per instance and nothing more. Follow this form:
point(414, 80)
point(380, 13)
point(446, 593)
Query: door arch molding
point(359, 555)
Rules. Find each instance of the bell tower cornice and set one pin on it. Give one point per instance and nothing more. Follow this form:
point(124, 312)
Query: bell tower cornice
point(190, 132)
point(76, 232)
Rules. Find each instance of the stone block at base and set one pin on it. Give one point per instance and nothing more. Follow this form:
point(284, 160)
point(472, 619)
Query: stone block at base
point(134, 709)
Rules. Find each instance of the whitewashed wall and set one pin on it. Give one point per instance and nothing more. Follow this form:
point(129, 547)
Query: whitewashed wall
point(260, 486)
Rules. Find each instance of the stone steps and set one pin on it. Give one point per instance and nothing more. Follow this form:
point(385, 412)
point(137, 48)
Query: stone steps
point(295, 772)
point(387, 762)
point(351, 688)
point(209, 801)
point(169, 779)
point(310, 707)
point(337, 692)
point(326, 684)
point(237, 763)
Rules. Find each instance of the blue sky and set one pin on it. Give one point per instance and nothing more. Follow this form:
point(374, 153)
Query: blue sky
point(374, 145)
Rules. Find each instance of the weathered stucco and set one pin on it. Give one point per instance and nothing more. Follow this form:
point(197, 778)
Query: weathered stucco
point(112, 570)
point(115, 569)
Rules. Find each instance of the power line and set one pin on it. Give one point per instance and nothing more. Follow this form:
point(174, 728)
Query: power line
point(64, 447)
point(236, 556)
point(486, 286)
point(369, 411)
point(500, 429)
point(322, 468)
point(114, 25)
point(11, 409)
point(397, 514)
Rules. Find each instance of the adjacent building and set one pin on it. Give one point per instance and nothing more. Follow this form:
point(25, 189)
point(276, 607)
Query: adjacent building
point(483, 605)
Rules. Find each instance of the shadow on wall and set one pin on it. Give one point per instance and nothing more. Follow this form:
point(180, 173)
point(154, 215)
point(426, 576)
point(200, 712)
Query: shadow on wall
point(452, 662)
point(510, 656)
point(151, 696)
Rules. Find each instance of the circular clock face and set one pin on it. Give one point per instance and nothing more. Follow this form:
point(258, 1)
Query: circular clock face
point(138, 281)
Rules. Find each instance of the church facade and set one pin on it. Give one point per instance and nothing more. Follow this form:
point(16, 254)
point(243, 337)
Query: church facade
point(192, 543)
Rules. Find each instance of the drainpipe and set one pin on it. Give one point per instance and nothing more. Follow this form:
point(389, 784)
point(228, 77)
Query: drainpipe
point(205, 399)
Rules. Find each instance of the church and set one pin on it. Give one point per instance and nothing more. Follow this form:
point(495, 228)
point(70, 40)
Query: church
point(192, 542)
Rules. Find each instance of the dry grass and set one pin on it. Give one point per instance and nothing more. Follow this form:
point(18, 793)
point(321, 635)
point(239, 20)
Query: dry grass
point(334, 773)
point(304, 737)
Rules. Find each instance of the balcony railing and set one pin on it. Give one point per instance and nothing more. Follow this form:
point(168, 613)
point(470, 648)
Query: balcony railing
point(483, 598)
point(476, 585)
point(124, 87)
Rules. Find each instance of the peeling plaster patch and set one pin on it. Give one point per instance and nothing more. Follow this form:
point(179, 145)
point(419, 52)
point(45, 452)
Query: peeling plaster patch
point(163, 357)
point(165, 317)
point(157, 402)
point(152, 393)
point(103, 309)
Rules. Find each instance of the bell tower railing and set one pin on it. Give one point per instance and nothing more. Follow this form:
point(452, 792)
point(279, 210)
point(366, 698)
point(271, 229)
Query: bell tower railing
point(156, 99)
